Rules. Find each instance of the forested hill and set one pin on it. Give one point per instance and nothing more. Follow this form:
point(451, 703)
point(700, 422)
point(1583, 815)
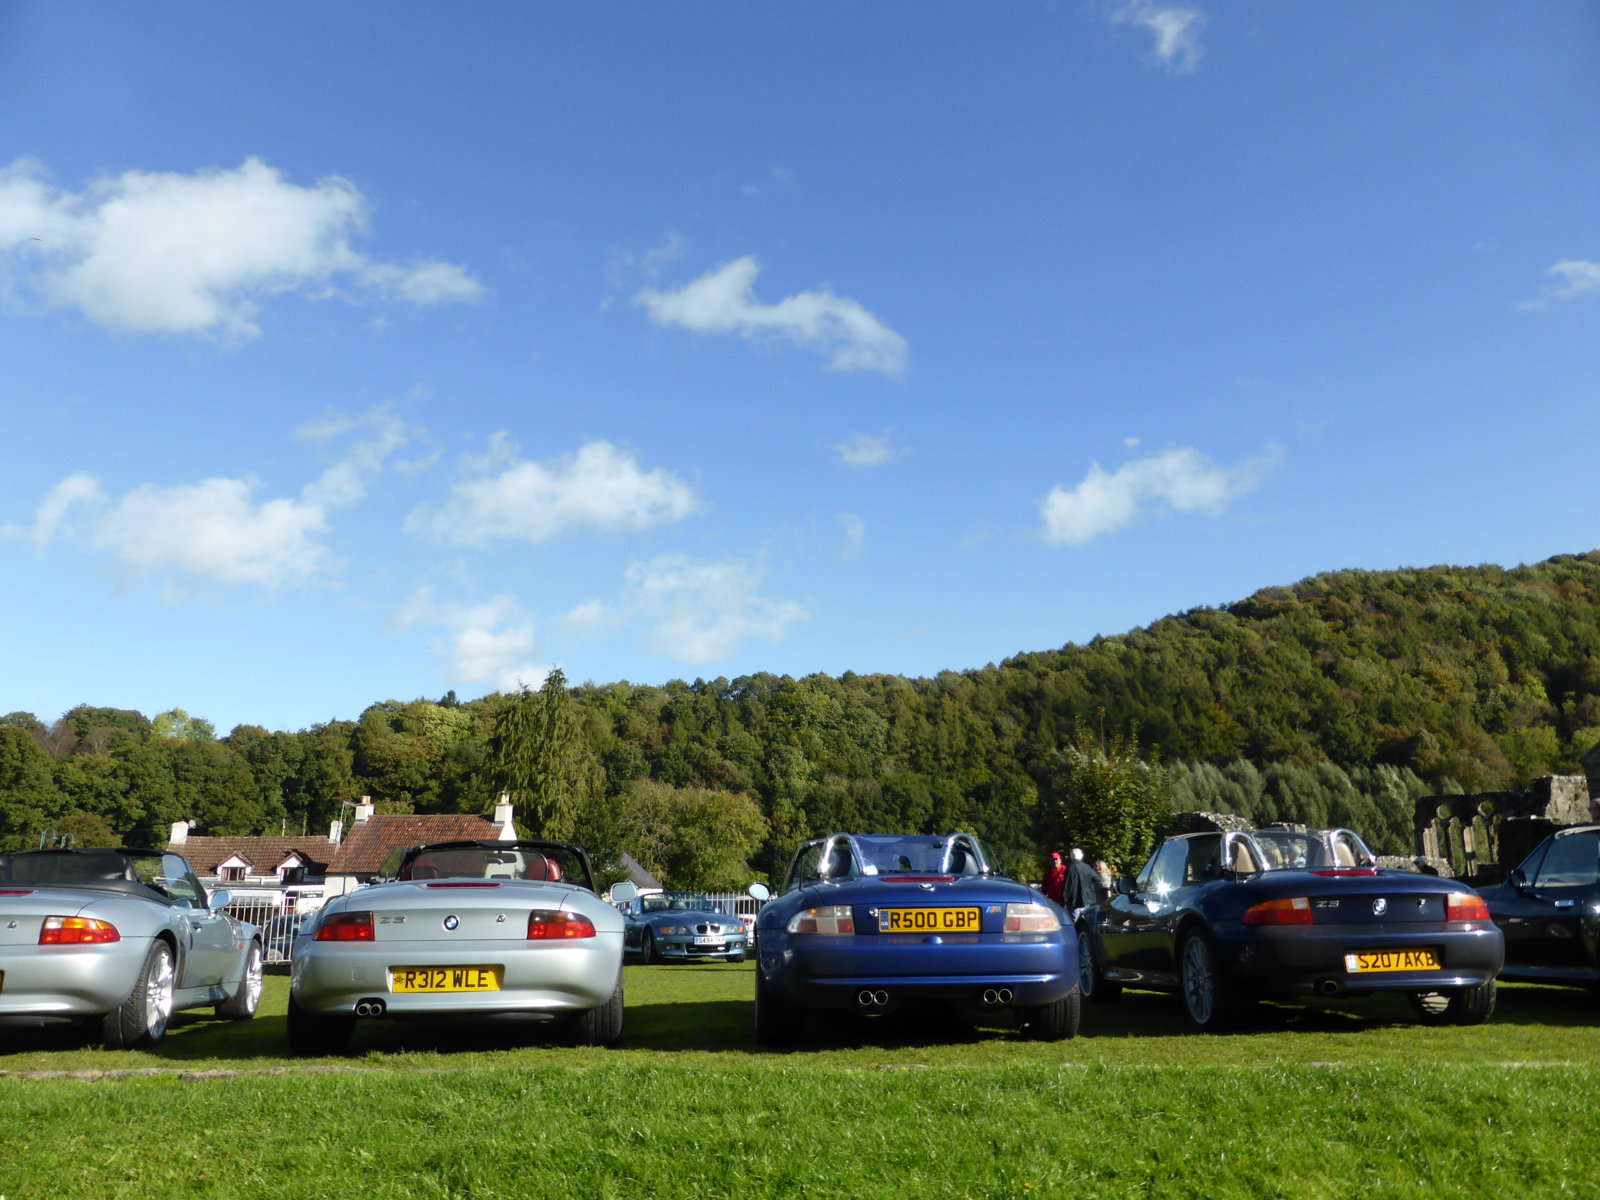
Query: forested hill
point(1342, 697)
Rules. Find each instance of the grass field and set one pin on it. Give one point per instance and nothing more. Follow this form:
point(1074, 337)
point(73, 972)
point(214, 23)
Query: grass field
point(1321, 1103)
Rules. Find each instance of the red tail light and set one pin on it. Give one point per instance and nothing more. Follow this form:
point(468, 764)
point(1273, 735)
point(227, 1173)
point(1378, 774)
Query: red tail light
point(344, 927)
point(77, 931)
point(468, 884)
point(544, 926)
point(1291, 910)
point(1465, 906)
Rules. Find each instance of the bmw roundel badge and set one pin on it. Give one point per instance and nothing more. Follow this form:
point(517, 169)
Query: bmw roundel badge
point(1380, 906)
point(452, 921)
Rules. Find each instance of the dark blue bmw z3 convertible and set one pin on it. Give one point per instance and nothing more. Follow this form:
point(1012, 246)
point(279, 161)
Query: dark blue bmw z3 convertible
point(1224, 919)
point(873, 924)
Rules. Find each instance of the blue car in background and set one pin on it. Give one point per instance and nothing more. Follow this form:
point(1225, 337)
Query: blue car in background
point(875, 924)
point(681, 926)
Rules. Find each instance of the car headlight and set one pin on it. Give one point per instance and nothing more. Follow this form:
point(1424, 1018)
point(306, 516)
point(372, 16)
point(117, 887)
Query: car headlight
point(830, 918)
point(674, 929)
point(1031, 918)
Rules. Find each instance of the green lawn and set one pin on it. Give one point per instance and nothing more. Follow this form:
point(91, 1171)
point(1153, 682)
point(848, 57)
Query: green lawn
point(1310, 1103)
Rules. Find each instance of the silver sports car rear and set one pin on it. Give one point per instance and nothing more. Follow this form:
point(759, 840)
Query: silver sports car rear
point(464, 929)
point(117, 940)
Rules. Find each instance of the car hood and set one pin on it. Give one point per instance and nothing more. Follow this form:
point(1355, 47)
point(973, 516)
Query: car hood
point(688, 916)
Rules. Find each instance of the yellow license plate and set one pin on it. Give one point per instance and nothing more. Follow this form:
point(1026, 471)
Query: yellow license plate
point(928, 920)
point(444, 979)
point(1365, 961)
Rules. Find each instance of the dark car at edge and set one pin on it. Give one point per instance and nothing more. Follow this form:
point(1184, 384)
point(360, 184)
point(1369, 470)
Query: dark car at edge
point(1549, 910)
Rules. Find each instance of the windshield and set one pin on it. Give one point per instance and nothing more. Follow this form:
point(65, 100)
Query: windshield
point(1313, 849)
point(545, 863)
point(904, 855)
point(678, 902)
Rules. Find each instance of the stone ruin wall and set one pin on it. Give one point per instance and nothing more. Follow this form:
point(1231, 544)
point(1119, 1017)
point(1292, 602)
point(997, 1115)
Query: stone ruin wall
point(1476, 838)
point(1481, 837)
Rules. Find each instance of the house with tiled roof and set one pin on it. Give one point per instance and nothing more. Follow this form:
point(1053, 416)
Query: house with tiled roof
point(268, 861)
point(373, 835)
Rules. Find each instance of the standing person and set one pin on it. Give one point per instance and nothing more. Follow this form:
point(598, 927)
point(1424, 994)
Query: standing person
point(1055, 879)
point(1083, 886)
point(1107, 884)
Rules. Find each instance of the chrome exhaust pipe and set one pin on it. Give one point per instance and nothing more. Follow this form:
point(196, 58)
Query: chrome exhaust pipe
point(867, 998)
point(990, 997)
point(997, 997)
point(1329, 987)
point(1006, 995)
point(372, 1007)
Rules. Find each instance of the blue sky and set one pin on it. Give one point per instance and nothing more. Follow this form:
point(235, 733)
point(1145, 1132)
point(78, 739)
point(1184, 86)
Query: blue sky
point(367, 351)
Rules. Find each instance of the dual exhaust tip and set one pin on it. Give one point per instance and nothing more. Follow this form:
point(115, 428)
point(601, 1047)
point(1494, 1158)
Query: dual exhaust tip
point(373, 1007)
point(877, 999)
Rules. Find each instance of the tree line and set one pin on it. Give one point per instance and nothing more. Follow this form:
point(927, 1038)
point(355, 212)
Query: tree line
point(1338, 700)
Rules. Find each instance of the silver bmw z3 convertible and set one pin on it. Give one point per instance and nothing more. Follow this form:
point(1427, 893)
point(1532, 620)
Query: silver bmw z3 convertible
point(117, 940)
point(462, 929)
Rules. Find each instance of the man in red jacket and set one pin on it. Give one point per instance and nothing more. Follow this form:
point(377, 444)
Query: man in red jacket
point(1055, 879)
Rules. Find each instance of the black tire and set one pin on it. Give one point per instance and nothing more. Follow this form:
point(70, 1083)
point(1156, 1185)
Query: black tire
point(737, 958)
point(1096, 988)
point(1209, 997)
point(246, 998)
point(647, 947)
point(779, 1021)
point(1055, 1022)
point(141, 1019)
point(318, 1033)
point(601, 1025)
point(1462, 1006)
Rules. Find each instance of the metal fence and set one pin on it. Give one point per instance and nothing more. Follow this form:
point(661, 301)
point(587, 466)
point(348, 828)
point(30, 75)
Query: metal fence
point(277, 925)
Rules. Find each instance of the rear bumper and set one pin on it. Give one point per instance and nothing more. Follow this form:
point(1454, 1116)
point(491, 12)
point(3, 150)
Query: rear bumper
point(554, 978)
point(69, 981)
point(1308, 961)
point(830, 972)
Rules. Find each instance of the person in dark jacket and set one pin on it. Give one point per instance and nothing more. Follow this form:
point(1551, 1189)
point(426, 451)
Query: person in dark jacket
point(1082, 885)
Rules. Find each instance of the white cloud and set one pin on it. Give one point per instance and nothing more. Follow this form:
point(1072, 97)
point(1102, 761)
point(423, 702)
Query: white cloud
point(855, 536)
point(489, 645)
point(625, 268)
point(1176, 30)
point(149, 252)
point(723, 301)
point(79, 490)
point(701, 612)
point(214, 530)
point(868, 450)
point(1576, 279)
point(1183, 480)
point(218, 531)
point(600, 488)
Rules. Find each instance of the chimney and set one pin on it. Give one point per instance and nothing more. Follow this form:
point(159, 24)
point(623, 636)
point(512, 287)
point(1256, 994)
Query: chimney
point(335, 832)
point(363, 811)
point(503, 817)
point(180, 833)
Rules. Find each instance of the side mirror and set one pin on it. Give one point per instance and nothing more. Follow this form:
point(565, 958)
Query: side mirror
point(219, 899)
point(1518, 879)
point(622, 892)
point(760, 891)
point(1125, 885)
